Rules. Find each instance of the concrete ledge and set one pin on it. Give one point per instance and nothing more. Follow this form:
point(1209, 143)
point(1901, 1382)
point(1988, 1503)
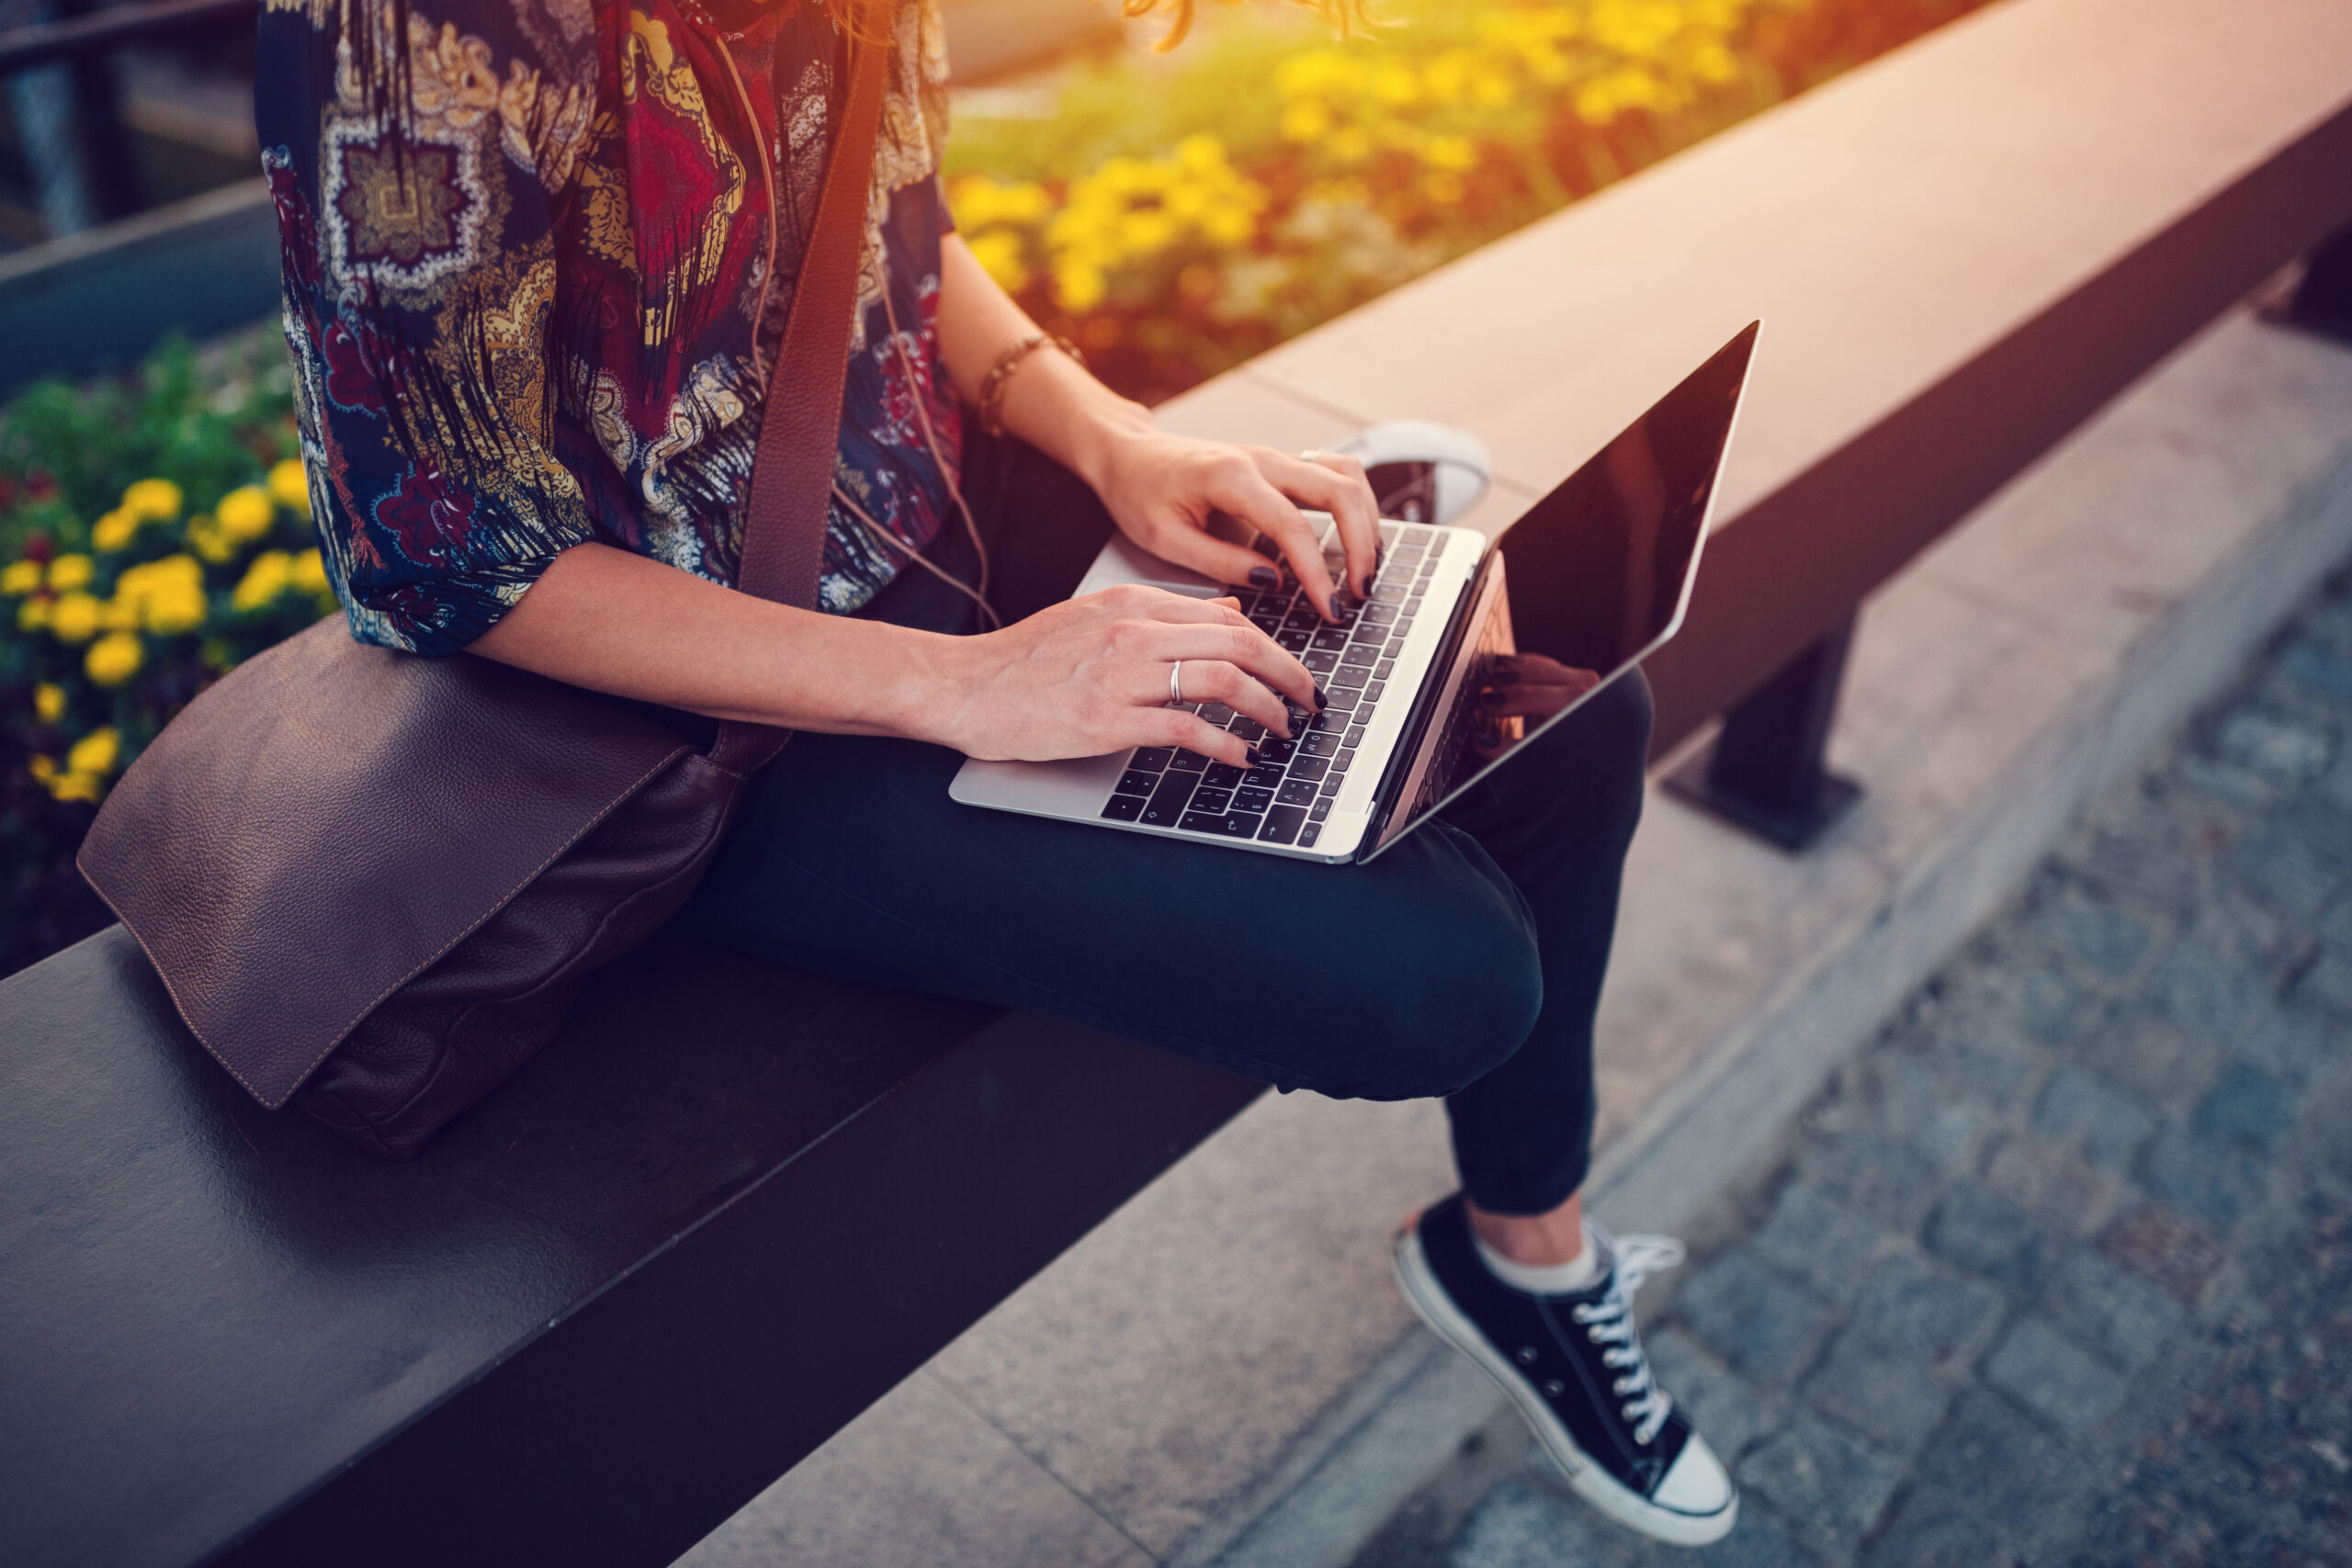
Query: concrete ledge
point(1222, 1373)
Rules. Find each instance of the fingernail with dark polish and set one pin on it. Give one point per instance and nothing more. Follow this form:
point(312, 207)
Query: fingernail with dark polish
point(1265, 577)
point(1251, 752)
point(1321, 702)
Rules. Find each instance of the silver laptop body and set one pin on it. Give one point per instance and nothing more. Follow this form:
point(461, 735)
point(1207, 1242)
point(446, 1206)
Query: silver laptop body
point(1586, 583)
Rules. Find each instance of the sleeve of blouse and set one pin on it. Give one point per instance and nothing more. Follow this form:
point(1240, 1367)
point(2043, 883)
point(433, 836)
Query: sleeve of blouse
point(414, 203)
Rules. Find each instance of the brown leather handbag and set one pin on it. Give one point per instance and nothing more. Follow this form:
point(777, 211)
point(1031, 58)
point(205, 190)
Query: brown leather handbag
point(376, 880)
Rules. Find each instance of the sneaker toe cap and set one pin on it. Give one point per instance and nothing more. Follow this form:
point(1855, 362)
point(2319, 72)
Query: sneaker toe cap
point(1696, 1484)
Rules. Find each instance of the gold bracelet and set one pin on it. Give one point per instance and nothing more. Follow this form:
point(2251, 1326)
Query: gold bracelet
point(993, 389)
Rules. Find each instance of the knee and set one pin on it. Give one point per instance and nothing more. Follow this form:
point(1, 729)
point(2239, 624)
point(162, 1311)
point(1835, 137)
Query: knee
point(1437, 1013)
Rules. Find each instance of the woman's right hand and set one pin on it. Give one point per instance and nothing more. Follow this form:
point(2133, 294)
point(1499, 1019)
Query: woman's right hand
point(1091, 675)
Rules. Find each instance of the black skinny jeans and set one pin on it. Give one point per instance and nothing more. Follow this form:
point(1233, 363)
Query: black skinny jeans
point(1465, 961)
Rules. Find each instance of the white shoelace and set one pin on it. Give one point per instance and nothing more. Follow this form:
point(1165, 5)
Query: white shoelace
point(1609, 1322)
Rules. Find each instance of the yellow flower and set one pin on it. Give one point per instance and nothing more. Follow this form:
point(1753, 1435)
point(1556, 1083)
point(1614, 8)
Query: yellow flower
point(999, 254)
point(1078, 285)
point(20, 577)
point(211, 541)
point(32, 615)
point(152, 500)
point(75, 617)
point(289, 486)
point(263, 580)
point(49, 702)
point(115, 530)
point(76, 787)
point(311, 572)
point(97, 753)
point(68, 573)
point(1455, 153)
point(114, 657)
point(1441, 187)
point(246, 514)
point(1306, 120)
point(165, 596)
point(42, 769)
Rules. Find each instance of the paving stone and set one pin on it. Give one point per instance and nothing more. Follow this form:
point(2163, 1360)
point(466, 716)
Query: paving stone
point(2051, 1186)
point(1822, 1242)
point(1730, 1412)
point(1520, 1526)
point(2293, 864)
point(2125, 1316)
point(2285, 750)
point(2205, 993)
point(1759, 1321)
point(2293, 1045)
point(1888, 1396)
point(1979, 1232)
point(2326, 985)
point(1929, 1105)
point(1891, 1182)
point(2248, 1107)
point(2323, 670)
point(1758, 1541)
point(2101, 939)
point(1833, 1487)
point(1933, 1529)
point(2167, 1247)
point(1912, 1305)
point(2152, 1058)
point(2210, 1180)
point(2078, 1113)
point(2057, 1379)
point(1988, 1448)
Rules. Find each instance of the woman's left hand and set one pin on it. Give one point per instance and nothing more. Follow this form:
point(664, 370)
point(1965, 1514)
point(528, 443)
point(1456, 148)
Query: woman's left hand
point(1160, 490)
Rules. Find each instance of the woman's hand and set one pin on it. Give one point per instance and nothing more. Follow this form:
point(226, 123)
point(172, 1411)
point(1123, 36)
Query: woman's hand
point(1160, 490)
point(1091, 675)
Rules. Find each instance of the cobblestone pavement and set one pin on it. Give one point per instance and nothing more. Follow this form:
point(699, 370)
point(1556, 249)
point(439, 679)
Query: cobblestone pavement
point(2060, 1269)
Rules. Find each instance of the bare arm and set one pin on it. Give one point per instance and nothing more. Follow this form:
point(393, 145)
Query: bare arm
point(1079, 678)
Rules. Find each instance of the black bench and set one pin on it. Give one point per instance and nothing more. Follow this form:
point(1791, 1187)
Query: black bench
point(726, 1211)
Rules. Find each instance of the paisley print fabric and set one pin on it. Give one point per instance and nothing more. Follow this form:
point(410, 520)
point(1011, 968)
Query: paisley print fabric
point(538, 257)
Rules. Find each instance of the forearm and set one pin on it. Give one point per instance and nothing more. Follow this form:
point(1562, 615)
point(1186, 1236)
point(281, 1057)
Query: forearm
point(1050, 401)
point(617, 622)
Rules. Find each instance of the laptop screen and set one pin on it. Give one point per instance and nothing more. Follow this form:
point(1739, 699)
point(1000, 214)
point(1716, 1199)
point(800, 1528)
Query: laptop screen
point(1587, 583)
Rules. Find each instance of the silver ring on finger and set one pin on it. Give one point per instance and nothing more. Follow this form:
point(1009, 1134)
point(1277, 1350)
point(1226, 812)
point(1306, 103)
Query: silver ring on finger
point(1176, 681)
point(1313, 454)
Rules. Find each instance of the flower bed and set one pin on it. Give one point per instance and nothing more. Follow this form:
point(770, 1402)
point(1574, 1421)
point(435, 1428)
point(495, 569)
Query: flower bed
point(1174, 216)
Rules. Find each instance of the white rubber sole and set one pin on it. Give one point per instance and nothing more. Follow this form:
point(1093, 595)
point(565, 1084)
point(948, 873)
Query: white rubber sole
point(1590, 1481)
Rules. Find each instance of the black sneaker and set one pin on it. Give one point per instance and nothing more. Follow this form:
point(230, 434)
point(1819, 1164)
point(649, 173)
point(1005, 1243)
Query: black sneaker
point(1575, 1368)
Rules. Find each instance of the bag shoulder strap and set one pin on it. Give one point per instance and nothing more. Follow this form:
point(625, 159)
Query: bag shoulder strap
point(791, 466)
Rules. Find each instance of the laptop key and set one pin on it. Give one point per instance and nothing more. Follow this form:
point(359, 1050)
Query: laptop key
point(1134, 781)
point(1361, 656)
point(1297, 792)
point(1253, 800)
point(1373, 693)
point(1283, 824)
point(1319, 810)
point(1331, 639)
point(1150, 759)
point(1332, 785)
point(1319, 662)
point(1306, 836)
point(1354, 736)
point(1221, 775)
point(1122, 809)
point(1167, 802)
point(1340, 764)
point(1210, 800)
point(1294, 640)
point(1265, 776)
point(1385, 669)
point(1396, 646)
point(1321, 744)
point(1277, 751)
point(1307, 767)
point(1202, 822)
point(1249, 729)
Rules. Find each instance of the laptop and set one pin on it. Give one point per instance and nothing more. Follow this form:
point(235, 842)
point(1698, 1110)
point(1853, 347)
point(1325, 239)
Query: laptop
point(1465, 650)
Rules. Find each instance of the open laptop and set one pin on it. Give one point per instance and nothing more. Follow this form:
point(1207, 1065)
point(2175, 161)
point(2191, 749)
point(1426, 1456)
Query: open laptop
point(1464, 651)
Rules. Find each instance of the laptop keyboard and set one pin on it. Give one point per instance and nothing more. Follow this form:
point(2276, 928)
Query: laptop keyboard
point(1287, 798)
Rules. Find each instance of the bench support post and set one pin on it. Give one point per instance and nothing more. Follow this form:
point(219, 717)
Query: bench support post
point(1767, 770)
point(2323, 301)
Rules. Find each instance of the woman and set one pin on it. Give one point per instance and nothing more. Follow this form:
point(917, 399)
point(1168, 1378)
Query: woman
point(528, 247)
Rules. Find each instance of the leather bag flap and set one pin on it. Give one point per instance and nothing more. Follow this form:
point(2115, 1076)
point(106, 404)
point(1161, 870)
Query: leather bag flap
point(330, 867)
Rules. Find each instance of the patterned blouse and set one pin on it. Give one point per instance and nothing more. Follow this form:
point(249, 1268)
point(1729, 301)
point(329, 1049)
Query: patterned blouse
point(527, 287)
